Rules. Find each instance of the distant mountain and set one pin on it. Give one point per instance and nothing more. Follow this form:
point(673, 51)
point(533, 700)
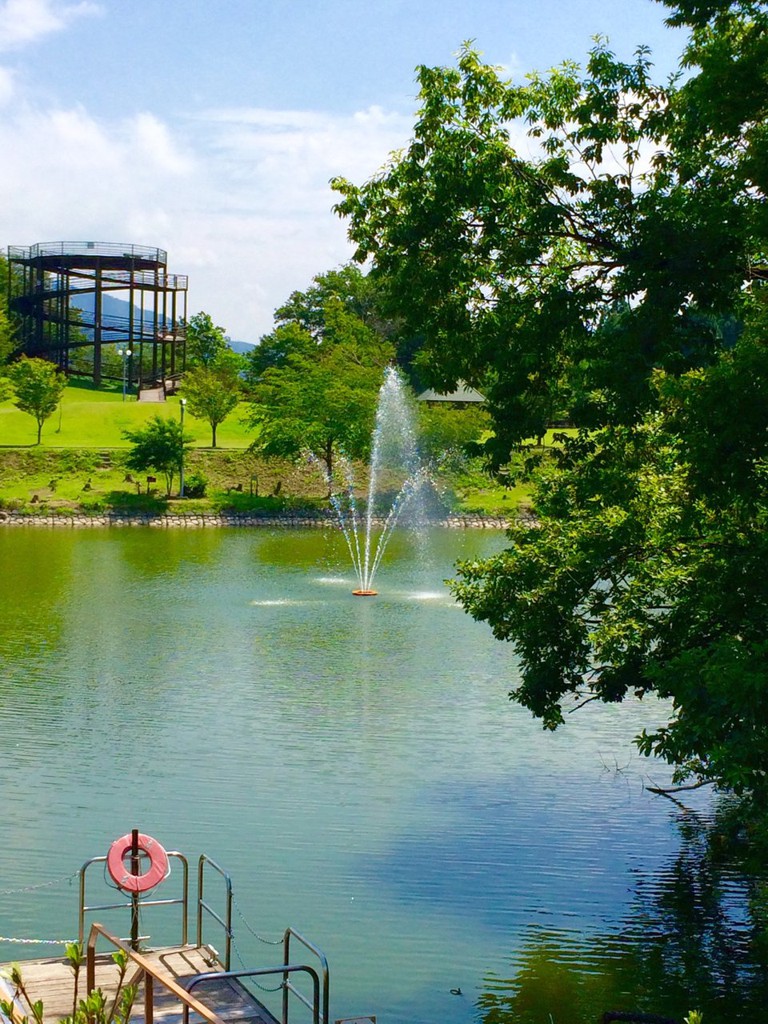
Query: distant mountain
point(110, 306)
point(114, 315)
point(114, 310)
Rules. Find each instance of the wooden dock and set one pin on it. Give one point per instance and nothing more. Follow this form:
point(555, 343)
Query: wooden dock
point(186, 983)
point(52, 982)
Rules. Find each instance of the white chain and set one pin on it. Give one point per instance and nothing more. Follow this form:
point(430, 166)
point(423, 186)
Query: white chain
point(40, 885)
point(33, 888)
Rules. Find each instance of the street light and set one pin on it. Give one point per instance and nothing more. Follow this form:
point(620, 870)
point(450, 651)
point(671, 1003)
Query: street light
point(126, 355)
point(183, 405)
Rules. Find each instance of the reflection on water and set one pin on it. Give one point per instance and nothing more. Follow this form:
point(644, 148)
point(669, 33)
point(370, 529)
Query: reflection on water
point(357, 766)
point(695, 937)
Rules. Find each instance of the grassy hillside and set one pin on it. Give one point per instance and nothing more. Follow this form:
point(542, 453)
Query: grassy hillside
point(49, 479)
point(80, 464)
point(43, 479)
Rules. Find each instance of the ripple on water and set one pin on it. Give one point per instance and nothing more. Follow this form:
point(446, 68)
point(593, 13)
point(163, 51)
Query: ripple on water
point(331, 749)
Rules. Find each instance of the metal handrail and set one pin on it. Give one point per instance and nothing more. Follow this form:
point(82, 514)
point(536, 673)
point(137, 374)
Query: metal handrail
point(285, 970)
point(84, 279)
point(226, 924)
point(319, 1005)
point(86, 318)
point(288, 987)
point(182, 900)
point(149, 974)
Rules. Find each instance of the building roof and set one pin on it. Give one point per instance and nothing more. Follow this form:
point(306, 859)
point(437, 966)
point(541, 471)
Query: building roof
point(463, 395)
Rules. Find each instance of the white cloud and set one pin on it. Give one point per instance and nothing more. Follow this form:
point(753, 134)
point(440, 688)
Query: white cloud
point(155, 146)
point(266, 226)
point(240, 199)
point(24, 21)
point(7, 86)
point(513, 68)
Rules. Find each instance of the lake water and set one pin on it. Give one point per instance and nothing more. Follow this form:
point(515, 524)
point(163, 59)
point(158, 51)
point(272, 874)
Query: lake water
point(357, 767)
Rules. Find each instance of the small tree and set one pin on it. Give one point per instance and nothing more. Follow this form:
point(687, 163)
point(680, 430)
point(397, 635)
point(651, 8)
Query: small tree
point(212, 392)
point(94, 1008)
point(38, 386)
point(160, 446)
point(205, 341)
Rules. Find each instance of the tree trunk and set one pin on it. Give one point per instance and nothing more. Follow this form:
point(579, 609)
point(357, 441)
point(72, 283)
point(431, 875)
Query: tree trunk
point(213, 434)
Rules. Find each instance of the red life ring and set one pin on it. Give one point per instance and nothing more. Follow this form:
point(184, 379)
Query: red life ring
point(159, 868)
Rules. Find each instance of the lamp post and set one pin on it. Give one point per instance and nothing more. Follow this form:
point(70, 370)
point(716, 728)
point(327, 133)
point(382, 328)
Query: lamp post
point(182, 405)
point(126, 355)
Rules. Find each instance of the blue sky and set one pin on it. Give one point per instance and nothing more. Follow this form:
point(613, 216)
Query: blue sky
point(210, 128)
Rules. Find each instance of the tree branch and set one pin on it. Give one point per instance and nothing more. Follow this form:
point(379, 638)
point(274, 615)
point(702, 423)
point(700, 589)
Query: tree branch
point(671, 790)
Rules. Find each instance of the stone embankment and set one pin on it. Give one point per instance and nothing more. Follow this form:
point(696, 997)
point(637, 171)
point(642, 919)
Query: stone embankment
point(238, 519)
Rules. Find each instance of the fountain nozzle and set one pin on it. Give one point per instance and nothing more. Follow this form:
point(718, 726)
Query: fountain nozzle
point(365, 593)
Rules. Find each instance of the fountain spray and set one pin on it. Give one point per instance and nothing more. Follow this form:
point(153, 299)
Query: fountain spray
point(394, 446)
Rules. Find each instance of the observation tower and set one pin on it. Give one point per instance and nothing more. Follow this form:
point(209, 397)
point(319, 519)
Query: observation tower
point(64, 294)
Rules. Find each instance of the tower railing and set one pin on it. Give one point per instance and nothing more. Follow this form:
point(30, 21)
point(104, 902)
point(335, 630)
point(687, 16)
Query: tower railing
point(121, 249)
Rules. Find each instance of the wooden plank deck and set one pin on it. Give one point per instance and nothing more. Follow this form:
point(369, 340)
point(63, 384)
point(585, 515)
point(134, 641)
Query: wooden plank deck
point(52, 981)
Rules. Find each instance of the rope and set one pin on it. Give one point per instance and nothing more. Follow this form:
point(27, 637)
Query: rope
point(37, 942)
point(40, 885)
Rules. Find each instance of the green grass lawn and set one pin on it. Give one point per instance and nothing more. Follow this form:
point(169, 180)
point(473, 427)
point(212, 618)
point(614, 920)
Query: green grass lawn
point(88, 418)
point(492, 500)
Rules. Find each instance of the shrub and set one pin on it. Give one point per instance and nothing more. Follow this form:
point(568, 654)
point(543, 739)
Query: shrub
point(195, 485)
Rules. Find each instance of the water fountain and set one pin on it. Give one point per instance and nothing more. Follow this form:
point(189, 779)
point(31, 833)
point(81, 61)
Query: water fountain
point(393, 447)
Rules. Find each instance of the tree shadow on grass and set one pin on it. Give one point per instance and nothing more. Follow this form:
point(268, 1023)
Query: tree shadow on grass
point(124, 501)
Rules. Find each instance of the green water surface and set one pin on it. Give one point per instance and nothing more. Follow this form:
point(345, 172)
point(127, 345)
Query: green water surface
point(356, 765)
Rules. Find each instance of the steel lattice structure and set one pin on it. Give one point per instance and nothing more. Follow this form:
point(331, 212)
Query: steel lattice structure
point(58, 292)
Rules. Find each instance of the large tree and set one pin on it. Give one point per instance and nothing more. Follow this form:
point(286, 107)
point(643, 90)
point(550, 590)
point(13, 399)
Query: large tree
point(302, 320)
point(37, 386)
point(6, 348)
point(357, 292)
point(616, 274)
point(7, 344)
point(554, 283)
point(273, 350)
point(320, 396)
